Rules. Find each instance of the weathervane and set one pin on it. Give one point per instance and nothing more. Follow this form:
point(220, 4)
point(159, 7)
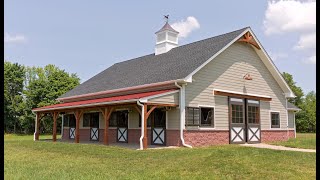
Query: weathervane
point(166, 17)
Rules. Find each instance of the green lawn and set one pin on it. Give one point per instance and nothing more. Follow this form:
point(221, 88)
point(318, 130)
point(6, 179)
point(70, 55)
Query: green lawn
point(26, 159)
point(303, 140)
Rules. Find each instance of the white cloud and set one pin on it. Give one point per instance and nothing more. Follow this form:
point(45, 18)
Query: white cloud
point(290, 16)
point(14, 38)
point(185, 27)
point(306, 41)
point(277, 56)
point(293, 16)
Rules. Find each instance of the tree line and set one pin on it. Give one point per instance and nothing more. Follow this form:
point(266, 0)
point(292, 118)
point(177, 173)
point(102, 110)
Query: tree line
point(26, 88)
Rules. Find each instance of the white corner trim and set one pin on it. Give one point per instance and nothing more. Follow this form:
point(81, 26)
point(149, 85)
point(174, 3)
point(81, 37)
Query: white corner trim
point(270, 111)
point(215, 55)
point(240, 93)
point(145, 99)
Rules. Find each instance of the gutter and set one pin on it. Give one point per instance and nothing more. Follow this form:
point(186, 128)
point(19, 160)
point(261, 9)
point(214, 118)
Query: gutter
point(182, 112)
point(142, 125)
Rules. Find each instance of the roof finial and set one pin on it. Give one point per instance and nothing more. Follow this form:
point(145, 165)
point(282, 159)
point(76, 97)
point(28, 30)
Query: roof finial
point(166, 17)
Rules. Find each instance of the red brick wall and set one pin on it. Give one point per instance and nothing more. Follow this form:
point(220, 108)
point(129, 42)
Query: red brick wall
point(206, 138)
point(276, 135)
point(191, 137)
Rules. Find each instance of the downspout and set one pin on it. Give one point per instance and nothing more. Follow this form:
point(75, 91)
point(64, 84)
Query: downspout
point(287, 118)
point(294, 123)
point(142, 124)
point(182, 112)
point(35, 126)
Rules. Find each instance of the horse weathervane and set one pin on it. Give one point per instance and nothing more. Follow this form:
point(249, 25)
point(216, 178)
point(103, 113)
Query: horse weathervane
point(166, 17)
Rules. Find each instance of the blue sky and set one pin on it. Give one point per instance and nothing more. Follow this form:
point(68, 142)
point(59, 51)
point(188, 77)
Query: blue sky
point(86, 38)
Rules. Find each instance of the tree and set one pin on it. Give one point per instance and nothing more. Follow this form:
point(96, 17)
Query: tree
point(43, 87)
point(307, 116)
point(14, 75)
point(297, 101)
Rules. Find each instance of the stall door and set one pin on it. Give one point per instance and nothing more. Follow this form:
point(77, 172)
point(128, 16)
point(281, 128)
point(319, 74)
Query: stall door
point(253, 121)
point(72, 126)
point(237, 121)
point(122, 126)
point(94, 127)
point(158, 127)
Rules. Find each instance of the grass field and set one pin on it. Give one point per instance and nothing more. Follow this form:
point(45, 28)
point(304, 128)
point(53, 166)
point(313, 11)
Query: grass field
point(303, 140)
point(26, 159)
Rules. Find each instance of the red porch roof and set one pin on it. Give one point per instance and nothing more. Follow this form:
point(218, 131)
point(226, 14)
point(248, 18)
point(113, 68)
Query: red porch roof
point(101, 101)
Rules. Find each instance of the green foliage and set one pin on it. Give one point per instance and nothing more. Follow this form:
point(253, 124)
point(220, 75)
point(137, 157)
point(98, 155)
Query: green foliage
point(306, 118)
point(297, 101)
point(13, 98)
point(31, 87)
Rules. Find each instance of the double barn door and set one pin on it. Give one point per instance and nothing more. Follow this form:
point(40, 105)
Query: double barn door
point(244, 121)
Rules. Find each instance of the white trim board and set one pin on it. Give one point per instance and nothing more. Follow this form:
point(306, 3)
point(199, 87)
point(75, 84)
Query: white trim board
point(240, 93)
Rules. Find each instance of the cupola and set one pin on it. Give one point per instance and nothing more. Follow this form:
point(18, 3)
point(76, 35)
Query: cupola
point(166, 39)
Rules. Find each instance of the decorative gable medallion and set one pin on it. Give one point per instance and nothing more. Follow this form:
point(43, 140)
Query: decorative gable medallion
point(247, 38)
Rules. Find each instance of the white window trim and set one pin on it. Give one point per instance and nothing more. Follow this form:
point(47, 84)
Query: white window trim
point(279, 128)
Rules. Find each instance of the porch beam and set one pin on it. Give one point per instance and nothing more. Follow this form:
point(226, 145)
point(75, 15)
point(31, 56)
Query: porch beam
point(54, 133)
point(138, 109)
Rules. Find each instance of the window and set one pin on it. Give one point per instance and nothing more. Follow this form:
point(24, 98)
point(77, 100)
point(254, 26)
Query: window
point(253, 114)
point(237, 113)
point(193, 116)
point(66, 120)
point(206, 116)
point(119, 119)
point(91, 120)
point(275, 120)
point(202, 116)
point(159, 118)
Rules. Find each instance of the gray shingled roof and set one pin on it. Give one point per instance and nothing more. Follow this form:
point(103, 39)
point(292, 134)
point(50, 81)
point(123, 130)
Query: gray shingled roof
point(177, 63)
point(292, 106)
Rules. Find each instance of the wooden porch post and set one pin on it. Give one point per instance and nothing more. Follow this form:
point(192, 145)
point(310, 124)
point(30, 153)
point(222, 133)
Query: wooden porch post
point(146, 115)
point(106, 112)
point(145, 133)
point(78, 115)
point(54, 133)
point(37, 125)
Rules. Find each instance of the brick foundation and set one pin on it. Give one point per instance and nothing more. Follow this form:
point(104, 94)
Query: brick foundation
point(276, 135)
point(206, 138)
point(192, 137)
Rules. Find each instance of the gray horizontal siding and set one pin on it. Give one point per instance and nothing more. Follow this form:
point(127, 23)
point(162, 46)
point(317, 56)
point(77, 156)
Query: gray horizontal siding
point(166, 99)
point(226, 72)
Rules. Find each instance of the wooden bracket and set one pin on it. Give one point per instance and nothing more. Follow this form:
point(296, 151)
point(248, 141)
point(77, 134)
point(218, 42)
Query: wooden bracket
point(247, 38)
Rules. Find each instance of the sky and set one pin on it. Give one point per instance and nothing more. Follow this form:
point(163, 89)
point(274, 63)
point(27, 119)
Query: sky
point(86, 37)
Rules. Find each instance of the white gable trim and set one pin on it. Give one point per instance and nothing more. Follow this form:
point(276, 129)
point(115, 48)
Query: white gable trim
point(263, 56)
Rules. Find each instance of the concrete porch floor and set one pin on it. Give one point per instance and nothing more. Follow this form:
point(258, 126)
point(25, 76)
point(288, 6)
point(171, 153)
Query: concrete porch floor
point(118, 144)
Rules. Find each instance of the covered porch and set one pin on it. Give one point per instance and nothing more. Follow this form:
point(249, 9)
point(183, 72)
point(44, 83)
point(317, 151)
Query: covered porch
point(78, 114)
